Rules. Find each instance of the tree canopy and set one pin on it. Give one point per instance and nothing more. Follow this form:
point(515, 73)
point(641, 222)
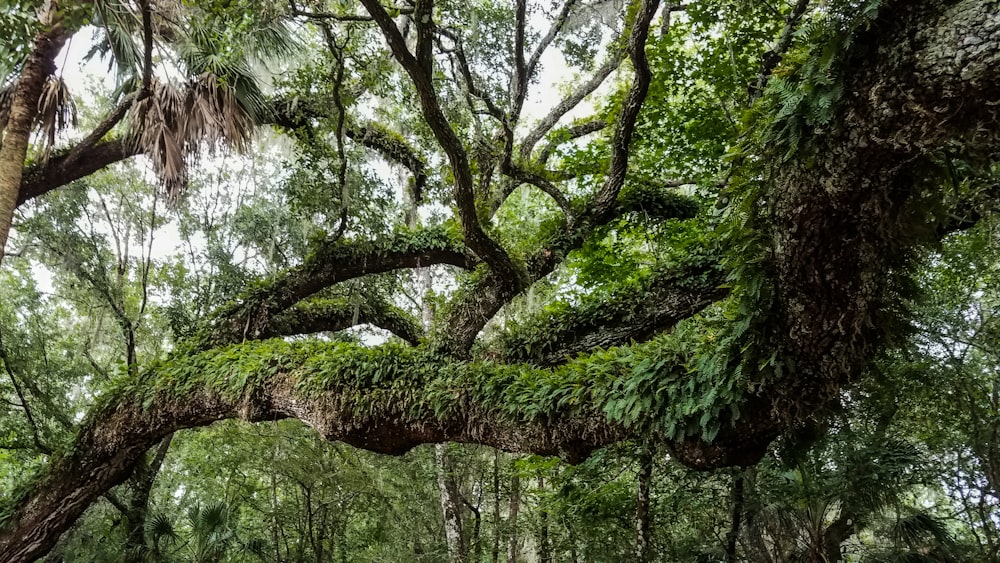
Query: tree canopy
point(707, 228)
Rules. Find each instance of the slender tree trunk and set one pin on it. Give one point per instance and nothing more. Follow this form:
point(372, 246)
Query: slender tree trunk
point(23, 109)
point(141, 484)
point(450, 506)
point(274, 518)
point(497, 523)
point(514, 544)
point(642, 541)
point(736, 518)
point(475, 541)
point(544, 546)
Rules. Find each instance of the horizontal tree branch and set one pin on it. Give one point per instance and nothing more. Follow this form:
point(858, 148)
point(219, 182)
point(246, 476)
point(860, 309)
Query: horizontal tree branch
point(253, 315)
point(66, 167)
point(295, 116)
point(474, 306)
point(632, 315)
point(333, 315)
point(387, 400)
point(388, 407)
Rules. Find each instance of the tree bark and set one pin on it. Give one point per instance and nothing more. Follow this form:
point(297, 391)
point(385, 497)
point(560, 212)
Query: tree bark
point(497, 522)
point(513, 542)
point(544, 545)
point(643, 543)
point(451, 507)
point(23, 109)
point(141, 484)
point(843, 220)
point(736, 517)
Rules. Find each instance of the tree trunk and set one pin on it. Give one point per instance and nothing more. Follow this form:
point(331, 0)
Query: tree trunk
point(544, 546)
point(23, 109)
point(450, 506)
point(736, 517)
point(514, 544)
point(643, 546)
point(497, 522)
point(141, 484)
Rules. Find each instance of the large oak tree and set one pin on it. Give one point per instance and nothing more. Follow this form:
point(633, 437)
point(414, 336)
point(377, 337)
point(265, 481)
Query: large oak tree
point(832, 185)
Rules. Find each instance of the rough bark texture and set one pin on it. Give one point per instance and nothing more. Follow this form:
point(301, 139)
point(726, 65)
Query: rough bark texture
point(666, 299)
point(117, 435)
point(840, 222)
point(840, 219)
point(451, 506)
point(21, 117)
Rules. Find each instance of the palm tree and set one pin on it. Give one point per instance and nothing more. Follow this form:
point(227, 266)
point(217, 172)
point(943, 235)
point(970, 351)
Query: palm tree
point(210, 536)
point(811, 510)
point(217, 98)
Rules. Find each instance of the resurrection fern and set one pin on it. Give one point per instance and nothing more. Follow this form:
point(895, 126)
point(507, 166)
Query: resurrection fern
point(802, 96)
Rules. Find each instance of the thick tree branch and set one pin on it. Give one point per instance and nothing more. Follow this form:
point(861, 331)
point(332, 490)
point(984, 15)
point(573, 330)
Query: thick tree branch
point(419, 68)
point(628, 316)
point(476, 305)
point(390, 411)
point(254, 315)
point(907, 96)
point(332, 315)
point(519, 80)
point(625, 125)
point(39, 179)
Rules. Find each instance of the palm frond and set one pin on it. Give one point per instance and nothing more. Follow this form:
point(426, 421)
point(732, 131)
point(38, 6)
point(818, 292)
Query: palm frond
point(271, 39)
point(214, 114)
point(211, 519)
point(157, 125)
point(160, 527)
point(118, 30)
point(920, 528)
point(56, 112)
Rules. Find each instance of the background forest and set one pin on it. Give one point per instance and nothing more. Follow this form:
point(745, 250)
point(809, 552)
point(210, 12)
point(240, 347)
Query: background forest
point(500, 281)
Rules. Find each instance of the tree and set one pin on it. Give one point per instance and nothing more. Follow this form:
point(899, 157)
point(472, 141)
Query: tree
point(825, 188)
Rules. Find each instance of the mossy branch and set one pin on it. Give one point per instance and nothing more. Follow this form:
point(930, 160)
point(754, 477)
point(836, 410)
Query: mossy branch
point(390, 145)
point(634, 314)
point(253, 315)
point(332, 315)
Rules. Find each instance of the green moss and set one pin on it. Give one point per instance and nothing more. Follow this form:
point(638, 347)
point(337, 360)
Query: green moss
point(647, 386)
point(656, 204)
